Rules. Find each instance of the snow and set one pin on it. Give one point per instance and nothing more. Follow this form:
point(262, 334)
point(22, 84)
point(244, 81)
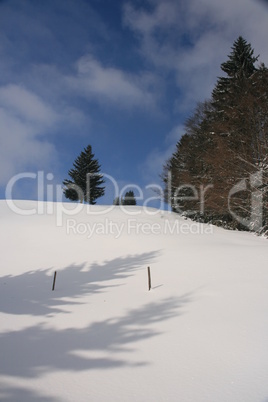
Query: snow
point(200, 334)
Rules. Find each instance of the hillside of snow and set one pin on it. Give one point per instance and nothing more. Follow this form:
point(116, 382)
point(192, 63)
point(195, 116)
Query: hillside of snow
point(199, 335)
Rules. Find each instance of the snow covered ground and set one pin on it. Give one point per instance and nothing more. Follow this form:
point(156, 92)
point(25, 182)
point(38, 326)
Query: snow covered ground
point(200, 334)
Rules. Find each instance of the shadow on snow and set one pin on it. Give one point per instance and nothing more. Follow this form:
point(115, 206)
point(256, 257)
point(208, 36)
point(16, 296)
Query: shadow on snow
point(38, 350)
point(30, 292)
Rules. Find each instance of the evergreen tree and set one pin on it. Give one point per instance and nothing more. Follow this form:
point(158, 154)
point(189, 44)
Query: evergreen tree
point(190, 165)
point(238, 108)
point(231, 123)
point(241, 60)
point(116, 201)
point(129, 198)
point(238, 68)
point(226, 140)
point(86, 183)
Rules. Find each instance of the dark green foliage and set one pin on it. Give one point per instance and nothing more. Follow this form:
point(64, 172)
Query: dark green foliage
point(238, 68)
point(241, 60)
point(86, 183)
point(129, 198)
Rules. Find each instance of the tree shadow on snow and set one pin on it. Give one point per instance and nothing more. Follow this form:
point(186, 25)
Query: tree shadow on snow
point(111, 343)
point(30, 292)
point(8, 394)
point(38, 350)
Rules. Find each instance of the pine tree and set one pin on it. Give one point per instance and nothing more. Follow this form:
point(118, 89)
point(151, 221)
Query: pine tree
point(241, 60)
point(129, 198)
point(86, 183)
point(238, 68)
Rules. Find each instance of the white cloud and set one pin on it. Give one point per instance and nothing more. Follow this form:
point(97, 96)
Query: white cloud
point(26, 105)
point(50, 82)
point(113, 86)
point(192, 39)
point(164, 16)
point(24, 118)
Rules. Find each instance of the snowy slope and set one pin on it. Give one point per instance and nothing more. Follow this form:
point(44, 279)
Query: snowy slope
point(200, 334)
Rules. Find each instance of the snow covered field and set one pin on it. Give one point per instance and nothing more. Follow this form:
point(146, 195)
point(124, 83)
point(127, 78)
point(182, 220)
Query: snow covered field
point(200, 334)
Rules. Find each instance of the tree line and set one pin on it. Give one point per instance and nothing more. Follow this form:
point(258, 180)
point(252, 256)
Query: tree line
point(218, 172)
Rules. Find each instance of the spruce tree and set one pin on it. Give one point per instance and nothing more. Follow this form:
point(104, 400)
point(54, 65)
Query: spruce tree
point(129, 198)
point(241, 60)
point(86, 184)
point(238, 68)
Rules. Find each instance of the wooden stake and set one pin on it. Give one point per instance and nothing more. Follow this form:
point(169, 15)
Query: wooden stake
point(54, 280)
point(149, 278)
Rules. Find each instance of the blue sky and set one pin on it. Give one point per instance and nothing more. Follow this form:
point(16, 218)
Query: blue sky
point(119, 75)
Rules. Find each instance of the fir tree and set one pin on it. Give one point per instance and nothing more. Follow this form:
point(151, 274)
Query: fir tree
point(241, 60)
point(129, 198)
point(238, 68)
point(86, 183)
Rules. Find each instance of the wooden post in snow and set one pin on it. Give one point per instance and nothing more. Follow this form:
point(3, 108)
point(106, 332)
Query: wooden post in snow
point(54, 280)
point(149, 278)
